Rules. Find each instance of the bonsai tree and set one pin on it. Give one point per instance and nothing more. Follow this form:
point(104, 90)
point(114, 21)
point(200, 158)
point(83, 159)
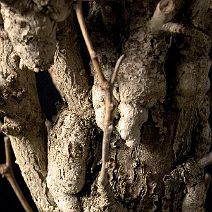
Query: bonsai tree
point(130, 130)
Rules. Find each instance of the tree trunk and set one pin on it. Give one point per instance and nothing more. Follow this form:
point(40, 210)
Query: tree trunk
point(161, 99)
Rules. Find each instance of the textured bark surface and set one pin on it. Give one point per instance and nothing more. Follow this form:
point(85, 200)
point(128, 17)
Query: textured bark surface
point(24, 123)
point(161, 98)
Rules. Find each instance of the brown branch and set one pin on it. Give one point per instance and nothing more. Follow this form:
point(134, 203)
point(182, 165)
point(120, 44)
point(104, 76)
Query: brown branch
point(7, 171)
point(107, 86)
point(94, 58)
point(115, 73)
point(7, 152)
point(108, 124)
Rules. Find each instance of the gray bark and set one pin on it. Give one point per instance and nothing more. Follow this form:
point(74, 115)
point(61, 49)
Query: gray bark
point(161, 97)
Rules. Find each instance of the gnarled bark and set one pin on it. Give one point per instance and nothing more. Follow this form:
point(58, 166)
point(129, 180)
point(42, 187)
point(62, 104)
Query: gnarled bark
point(24, 123)
point(161, 99)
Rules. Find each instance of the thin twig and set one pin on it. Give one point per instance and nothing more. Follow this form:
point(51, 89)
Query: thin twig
point(107, 86)
point(88, 43)
point(108, 124)
point(115, 73)
point(7, 151)
point(7, 171)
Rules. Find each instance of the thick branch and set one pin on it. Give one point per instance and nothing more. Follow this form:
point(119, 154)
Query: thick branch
point(24, 123)
point(68, 72)
point(69, 137)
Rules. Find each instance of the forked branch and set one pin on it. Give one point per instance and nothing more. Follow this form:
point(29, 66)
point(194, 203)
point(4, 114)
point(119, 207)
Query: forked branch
point(108, 124)
point(7, 171)
point(107, 86)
